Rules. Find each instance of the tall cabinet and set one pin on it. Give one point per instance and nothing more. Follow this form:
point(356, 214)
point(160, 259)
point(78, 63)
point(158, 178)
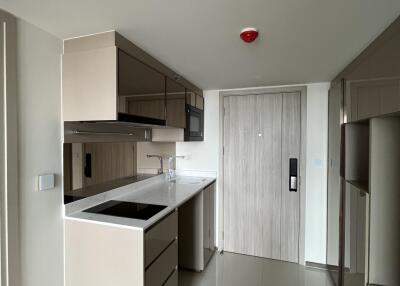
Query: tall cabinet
point(366, 221)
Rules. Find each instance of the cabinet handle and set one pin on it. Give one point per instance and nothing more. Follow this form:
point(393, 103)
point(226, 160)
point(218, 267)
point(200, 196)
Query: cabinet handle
point(101, 133)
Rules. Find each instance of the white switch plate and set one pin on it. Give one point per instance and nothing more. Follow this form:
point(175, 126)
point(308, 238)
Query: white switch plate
point(46, 182)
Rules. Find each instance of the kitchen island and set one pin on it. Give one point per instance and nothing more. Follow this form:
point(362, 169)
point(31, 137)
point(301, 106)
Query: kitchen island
point(107, 250)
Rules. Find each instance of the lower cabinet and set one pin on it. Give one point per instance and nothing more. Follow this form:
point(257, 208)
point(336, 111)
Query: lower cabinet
point(161, 252)
point(173, 279)
point(208, 223)
point(160, 270)
point(102, 255)
point(197, 220)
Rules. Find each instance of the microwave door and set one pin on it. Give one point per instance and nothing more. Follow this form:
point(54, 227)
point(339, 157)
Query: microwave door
point(194, 131)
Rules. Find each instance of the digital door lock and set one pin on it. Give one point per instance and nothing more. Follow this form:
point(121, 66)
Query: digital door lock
point(293, 175)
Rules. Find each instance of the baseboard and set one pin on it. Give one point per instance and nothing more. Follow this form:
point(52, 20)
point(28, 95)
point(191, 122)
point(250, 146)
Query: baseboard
point(328, 267)
point(322, 266)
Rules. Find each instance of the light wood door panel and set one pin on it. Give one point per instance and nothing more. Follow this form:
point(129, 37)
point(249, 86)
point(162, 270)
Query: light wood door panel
point(290, 206)
point(241, 215)
point(255, 175)
point(267, 173)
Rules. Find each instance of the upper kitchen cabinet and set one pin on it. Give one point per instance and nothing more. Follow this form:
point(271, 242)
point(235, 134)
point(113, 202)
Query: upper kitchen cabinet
point(89, 83)
point(371, 98)
point(176, 115)
point(141, 89)
point(373, 78)
point(194, 99)
point(108, 78)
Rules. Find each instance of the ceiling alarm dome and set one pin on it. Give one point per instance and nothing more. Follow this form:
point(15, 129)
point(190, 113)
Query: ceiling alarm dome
point(249, 35)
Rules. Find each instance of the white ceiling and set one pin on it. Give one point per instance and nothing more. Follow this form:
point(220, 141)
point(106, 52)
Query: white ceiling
point(301, 40)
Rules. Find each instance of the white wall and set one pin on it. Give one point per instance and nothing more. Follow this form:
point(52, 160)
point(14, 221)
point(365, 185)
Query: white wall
point(317, 154)
point(204, 156)
point(39, 123)
point(151, 165)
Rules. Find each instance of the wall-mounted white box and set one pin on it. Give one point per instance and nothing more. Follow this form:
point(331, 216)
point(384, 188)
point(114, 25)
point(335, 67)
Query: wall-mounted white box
point(46, 182)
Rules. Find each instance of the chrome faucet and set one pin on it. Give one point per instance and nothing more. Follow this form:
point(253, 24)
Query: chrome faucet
point(161, 170)
point(171, 173)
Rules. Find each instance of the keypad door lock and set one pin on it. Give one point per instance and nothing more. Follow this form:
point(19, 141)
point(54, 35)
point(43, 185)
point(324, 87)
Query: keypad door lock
point(293, 182)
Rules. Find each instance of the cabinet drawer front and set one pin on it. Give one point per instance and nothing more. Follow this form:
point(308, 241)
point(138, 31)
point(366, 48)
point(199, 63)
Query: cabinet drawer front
point(158, 272)
point(160, 236)
point(172, 280)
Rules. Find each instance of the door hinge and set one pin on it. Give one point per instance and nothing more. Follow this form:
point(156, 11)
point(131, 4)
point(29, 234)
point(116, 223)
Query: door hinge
point(223, 235)
point(223, 150)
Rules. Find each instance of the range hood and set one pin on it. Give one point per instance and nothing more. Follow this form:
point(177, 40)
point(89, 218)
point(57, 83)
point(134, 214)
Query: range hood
point(107, 131)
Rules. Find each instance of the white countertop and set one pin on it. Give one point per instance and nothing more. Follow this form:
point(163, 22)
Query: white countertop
point(157, 190)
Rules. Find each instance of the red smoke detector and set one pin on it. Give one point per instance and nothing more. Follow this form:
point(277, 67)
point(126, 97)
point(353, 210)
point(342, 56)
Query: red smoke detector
point(248, 35)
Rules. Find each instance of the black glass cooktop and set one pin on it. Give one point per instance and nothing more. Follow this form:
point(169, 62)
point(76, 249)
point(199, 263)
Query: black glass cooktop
point(126, 209)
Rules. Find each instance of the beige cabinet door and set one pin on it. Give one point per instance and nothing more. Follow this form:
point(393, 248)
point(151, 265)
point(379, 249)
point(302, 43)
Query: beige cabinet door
point(371, 98)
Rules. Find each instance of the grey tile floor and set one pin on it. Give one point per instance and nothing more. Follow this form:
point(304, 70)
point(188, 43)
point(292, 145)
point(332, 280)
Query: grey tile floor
point(231, 269)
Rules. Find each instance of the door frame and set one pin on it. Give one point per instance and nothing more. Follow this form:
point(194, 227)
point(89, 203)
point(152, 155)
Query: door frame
point(9, 212)
point(302, 179)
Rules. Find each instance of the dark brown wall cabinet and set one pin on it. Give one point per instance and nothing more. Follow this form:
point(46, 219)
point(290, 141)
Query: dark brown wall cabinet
point(107, 78)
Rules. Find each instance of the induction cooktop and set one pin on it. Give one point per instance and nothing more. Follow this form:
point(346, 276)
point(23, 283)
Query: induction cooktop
point(126, 209)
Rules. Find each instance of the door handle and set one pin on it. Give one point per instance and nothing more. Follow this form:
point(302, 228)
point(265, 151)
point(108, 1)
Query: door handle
point(293, 175)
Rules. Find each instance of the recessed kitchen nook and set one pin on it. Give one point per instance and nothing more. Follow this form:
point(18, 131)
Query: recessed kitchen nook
point(140, 105)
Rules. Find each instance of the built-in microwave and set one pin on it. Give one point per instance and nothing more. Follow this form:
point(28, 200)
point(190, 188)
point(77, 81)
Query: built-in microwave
point(194, 130)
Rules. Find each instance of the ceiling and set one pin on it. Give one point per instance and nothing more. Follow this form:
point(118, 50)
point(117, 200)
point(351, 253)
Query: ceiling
point(301, 41)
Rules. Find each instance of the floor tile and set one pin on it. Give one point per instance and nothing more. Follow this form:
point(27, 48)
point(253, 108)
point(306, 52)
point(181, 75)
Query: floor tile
point(231, 269)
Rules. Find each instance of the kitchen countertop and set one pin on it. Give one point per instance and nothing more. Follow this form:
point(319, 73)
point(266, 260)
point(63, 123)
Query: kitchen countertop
point(79, 194)
point(157, 190)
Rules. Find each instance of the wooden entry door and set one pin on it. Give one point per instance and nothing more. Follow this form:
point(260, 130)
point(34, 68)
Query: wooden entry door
point(261, 215)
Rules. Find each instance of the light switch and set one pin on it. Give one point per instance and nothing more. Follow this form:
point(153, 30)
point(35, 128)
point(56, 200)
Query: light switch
point(46, 182)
